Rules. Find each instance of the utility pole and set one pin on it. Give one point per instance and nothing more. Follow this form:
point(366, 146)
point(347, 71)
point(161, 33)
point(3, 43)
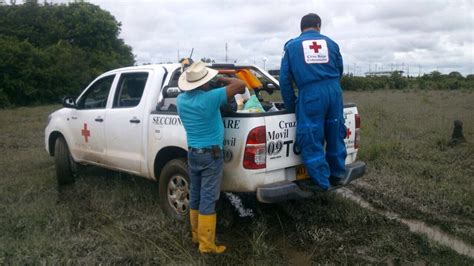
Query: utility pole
point(226, 52)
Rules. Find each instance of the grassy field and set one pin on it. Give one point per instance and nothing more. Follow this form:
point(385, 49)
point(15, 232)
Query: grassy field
point(111, 217)
point(413, 169)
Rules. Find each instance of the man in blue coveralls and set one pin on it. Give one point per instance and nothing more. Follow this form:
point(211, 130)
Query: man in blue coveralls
point(198, 108)
point(313, 62)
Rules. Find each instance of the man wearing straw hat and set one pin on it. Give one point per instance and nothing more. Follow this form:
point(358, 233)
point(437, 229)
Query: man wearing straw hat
point(199, 110)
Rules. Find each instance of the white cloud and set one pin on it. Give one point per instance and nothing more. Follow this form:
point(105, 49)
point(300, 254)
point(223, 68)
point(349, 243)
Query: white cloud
point(424, 35)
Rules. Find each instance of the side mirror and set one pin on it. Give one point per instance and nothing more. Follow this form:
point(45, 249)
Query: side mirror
point(69, 102)
point(269, 88)
point(172, 92)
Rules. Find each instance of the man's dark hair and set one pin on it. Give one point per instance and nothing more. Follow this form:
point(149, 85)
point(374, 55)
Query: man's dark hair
point(310, 21)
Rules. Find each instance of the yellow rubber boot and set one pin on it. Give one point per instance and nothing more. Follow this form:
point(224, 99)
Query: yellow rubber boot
point(193, 216)
point(207, 234)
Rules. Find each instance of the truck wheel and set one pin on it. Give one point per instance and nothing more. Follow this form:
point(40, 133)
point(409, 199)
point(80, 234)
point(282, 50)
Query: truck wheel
point(65, 165)
point(174, 189)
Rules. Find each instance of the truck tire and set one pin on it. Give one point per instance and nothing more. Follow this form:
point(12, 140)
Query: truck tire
point(174, 189)
point(64, 163)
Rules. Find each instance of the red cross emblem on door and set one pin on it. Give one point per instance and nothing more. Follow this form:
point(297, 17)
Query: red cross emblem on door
point(348, 133)
point(315, 47)
point(86, 133)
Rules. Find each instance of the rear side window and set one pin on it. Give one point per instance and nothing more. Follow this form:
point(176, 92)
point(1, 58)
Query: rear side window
point(130, 89)
point(96, 96)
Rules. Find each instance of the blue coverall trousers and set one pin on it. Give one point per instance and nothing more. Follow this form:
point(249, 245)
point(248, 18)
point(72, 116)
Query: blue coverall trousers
point(320, 121)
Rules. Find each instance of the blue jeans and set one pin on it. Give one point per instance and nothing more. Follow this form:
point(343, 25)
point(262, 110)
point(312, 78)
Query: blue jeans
point(205, 173)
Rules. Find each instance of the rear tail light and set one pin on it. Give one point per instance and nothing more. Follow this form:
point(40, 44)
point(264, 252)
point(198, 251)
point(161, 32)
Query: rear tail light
point(357, 131)
point(255, 154)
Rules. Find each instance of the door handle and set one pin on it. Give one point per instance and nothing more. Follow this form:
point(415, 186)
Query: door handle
point(135, 121)
point(98, 119)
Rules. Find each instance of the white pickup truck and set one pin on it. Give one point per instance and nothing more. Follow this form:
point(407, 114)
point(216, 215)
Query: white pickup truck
point(126, 120)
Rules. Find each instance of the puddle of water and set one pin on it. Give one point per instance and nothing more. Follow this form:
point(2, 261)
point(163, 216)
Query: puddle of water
point(237, 203)
point(415, 226)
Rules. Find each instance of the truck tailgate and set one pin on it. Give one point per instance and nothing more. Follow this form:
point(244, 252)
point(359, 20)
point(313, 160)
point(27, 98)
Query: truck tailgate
point(281, 135)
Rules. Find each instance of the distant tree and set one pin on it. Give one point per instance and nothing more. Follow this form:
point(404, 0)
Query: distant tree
point(431, 81)
point(398, 81)
point(456, 75)
point(435, 74)
point(48, 51)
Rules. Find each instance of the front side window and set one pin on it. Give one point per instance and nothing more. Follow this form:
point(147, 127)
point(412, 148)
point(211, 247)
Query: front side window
point(130, 89)
point(97, 94)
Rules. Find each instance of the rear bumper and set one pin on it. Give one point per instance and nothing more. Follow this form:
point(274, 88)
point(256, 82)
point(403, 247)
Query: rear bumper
point(281, 191)
point(286, 190)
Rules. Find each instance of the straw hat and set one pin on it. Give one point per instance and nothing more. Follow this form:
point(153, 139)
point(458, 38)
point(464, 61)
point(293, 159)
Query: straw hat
point(195, 76)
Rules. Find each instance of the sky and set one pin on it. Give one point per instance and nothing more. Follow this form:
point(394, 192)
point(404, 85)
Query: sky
point(377, 35)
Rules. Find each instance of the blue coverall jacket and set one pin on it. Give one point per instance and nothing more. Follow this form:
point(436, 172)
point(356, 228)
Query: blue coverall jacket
point(314, 63)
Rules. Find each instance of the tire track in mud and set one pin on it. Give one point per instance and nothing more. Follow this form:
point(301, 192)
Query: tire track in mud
point(414, 226)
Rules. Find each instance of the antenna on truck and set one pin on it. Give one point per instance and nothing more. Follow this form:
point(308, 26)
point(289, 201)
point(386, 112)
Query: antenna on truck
point(186, 62)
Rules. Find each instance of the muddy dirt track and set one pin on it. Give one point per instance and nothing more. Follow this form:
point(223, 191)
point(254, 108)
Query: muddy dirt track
point(415, 226)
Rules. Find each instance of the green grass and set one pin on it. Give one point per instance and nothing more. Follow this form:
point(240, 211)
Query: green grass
point(108, 217)
point(412, 169)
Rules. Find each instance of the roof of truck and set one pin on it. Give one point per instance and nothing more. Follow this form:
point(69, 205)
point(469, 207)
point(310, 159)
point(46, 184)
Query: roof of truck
point(151, 66)
point(173, 66)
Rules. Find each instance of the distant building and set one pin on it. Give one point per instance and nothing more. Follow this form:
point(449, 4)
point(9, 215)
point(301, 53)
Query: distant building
point(383, 73)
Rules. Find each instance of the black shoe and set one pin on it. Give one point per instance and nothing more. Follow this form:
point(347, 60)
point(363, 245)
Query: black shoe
point(336, 181)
